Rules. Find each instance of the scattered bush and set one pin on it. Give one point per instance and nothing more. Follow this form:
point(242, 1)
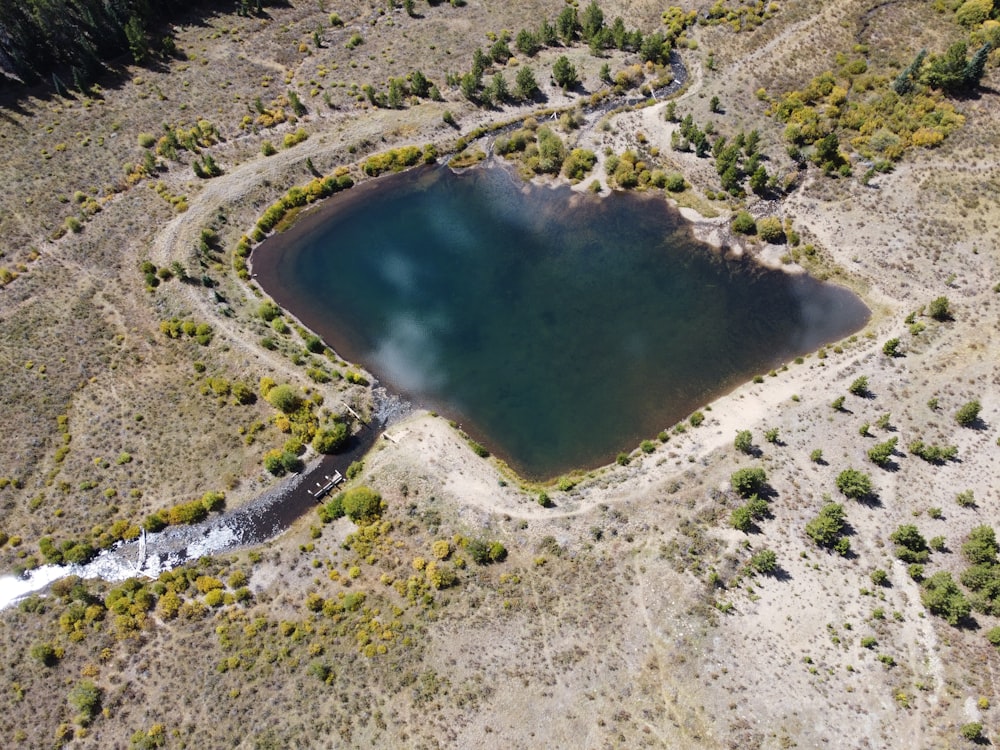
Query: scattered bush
point(85, 697)
point(911, 547)
point(827, 528)
point(362, 504)
point(860, 386)
point(973, 731)
point(854, 484)
point(940, 309)
point(881, 453)
point(330, 439)
point(743, 517)
point(981, 547)
point(771, 230)
point(743, 223)
point(966, 499)
point(934, 454)
point(942, 597)
point(968, 415)
point(283, 398)
point(891, 348)
point(748, 481)
point(743, 441)
point(484, 552)
point(764, 562)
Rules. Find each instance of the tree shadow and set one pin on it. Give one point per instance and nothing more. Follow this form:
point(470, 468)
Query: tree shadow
point(780, 574)
point(870, 500)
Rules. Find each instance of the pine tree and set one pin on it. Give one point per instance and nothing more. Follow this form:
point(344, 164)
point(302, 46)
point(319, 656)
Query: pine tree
point(975, 68)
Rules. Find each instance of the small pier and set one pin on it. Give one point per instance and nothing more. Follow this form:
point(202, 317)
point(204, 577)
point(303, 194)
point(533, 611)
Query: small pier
point(322, 489)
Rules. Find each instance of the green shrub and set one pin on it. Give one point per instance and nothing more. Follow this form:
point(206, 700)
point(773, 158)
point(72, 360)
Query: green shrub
point(770, 230)
point(284, 398)
point(85, 697)
point(934, 454)
point(333, 509)
point(696, 419)
point(973, 731)
point(911, 547)
point(45, 653)
point(579, 162)
point(362, 504)
point(675, 183)
point(826, 529)
point(854, 484)
point(881, 453)
point(940, 309)
point(330, 439)
point(981, 547)
point(268, 311)
point(942, 597)
point(748, 481)
point(293, 139)
point(891, 348)
point(743, 223)
point(743, 441)
point(764, 562)
point(860, 386)
point(968, 415)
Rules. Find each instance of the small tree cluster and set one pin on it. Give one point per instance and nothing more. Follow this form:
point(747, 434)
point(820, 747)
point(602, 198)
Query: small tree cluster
point(911, 547)
point(744, 517)
point(933, 454)
point(827, 529)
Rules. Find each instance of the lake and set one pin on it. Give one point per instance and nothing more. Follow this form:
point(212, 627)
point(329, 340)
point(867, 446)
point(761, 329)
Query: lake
point(557, 328)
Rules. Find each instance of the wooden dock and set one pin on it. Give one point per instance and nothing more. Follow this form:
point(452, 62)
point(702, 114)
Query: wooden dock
point(322, 489)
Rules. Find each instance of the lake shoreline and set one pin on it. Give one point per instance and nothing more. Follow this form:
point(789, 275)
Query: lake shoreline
point(283, 280)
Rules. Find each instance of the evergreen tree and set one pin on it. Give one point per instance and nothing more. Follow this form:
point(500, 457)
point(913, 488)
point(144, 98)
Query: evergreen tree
point(592, 21)
point(975, 68)
point(525, 85)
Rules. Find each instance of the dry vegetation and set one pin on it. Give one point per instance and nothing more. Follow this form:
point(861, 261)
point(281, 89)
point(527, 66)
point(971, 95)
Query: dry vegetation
point(625, 615)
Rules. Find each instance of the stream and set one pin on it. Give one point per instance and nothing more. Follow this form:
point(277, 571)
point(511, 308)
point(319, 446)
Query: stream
point(255, 523)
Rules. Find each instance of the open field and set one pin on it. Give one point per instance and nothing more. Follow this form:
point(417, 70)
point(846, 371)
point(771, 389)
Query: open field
point(623, 615)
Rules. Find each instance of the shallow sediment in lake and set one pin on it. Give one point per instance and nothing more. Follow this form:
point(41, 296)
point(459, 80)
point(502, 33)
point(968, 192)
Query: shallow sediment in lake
point(558, 328)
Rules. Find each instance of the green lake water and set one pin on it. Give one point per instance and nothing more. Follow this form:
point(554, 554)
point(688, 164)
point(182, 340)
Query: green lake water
point(559, 329)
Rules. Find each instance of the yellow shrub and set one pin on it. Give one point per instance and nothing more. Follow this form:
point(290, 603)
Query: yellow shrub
point(927, 137)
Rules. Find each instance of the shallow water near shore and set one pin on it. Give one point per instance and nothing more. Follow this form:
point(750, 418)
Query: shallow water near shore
point(558, 328)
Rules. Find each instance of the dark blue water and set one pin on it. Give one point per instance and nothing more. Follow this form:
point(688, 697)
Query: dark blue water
point(558, 328)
